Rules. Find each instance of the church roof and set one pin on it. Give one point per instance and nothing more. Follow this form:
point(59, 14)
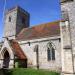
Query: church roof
point(39, 31)
point(17, 49)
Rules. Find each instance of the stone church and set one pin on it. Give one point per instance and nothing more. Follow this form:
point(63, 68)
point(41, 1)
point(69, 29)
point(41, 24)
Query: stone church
point(46, 46)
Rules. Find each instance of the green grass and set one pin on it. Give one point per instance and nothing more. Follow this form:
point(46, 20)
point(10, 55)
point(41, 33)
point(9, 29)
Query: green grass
point(22, 71)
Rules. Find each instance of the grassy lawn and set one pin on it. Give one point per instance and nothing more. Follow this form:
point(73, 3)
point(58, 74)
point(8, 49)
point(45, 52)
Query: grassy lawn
point(22, 71)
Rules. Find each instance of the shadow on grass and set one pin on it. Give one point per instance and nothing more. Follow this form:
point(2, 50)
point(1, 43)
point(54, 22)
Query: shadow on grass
point(22, 71)
point(5, 72)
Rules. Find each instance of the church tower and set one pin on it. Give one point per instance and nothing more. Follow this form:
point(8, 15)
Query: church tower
point(67, 27)
point(15, 20)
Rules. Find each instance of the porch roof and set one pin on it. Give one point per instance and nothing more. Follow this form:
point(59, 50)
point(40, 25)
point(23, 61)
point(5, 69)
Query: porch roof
point(17, 49)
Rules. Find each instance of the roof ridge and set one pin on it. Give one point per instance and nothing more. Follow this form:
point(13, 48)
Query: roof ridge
point(46, 23)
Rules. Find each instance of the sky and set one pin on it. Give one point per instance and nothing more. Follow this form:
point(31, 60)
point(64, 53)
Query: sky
point(41, 11)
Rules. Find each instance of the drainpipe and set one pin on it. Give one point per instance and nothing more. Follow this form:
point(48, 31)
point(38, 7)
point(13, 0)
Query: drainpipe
point(14, 61)
point(37, 56)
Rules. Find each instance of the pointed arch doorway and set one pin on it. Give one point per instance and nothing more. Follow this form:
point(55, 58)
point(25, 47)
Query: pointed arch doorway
point(6, 59)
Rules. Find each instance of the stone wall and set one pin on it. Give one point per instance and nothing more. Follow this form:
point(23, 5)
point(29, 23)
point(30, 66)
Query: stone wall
point(10, 27)
point(69, 6)
point(66, 49)
point(42, 47)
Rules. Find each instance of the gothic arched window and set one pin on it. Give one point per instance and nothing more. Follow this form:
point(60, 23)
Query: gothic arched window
point(50, 51)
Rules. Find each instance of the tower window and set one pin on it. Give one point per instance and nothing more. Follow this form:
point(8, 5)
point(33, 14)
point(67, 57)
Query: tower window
point(9, 19)
point(23, 20)
point(65, 15)
point(50, 52)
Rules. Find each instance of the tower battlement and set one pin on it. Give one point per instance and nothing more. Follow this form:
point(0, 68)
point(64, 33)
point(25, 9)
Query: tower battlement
point(16, 8)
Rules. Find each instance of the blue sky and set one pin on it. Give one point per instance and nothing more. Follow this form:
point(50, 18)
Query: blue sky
point(41, 11)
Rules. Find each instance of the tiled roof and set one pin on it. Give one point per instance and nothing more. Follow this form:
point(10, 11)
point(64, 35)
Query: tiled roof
point(39, 31)
point(17, 49)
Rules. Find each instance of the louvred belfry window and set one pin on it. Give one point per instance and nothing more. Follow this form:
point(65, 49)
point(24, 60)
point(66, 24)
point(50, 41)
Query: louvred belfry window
point(9, 18)
point(23, 20)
